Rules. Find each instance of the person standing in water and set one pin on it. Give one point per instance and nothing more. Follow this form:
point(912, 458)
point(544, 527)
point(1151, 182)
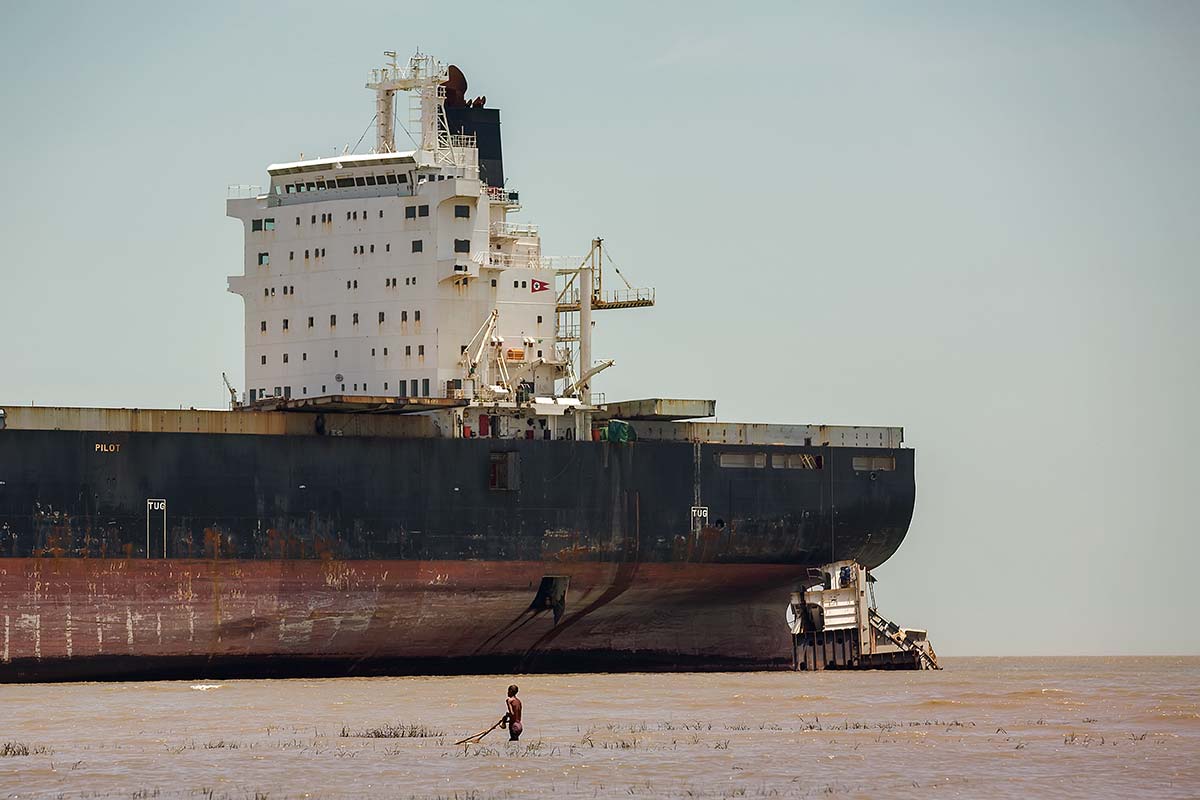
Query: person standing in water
point(513, 717)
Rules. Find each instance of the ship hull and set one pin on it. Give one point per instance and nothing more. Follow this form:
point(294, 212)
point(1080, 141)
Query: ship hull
point(81, 619)
point(289, 555)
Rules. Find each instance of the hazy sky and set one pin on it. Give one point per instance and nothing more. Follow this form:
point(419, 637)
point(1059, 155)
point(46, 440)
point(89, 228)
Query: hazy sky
point(976, 220)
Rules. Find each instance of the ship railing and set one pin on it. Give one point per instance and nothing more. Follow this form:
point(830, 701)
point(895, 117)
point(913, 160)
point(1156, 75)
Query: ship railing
point(611, 297)
point(627, 296)
point(532, 260)
point(568, 333)
point(513, 229)
point(501, 194)
point(466, 141)
point(596, 399)
point(239, 191)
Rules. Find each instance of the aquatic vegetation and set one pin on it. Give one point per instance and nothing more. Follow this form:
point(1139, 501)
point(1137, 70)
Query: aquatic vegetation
point(398, 730)
point(10, 749)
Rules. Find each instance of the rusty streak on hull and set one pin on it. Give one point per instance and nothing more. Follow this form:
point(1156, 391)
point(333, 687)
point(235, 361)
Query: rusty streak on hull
point(76, 619)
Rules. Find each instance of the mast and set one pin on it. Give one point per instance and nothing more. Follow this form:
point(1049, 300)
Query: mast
point(423, 75)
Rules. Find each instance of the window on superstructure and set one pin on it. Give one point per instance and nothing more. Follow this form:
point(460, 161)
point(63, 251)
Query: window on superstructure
point(354, 318)
point(404, 316)
point(539, 355)
point(347, 215)
point(320, 184)
point(425, 387)
point(313, 221)
point(539, 319)
point(412, 388)
point(462, 245)
point(410, 212)
point(391, 178)
point(356, 284)
point(385, 386)
point(414, 280)
point(264, 259)
point(269, 224)
point(381, 213)
point(417, 315)
point(418, 245)
point(264, 361)
point(322, 388)
point(354, 215)
point(310, 322)
point(285, 324)
point(462, 212)
point(304, 356)
point(333, 320)
point(266, 292)
point(360, 181)
point(420, 349)
point(311, 186)
point(380, 317)
point(370, 180)
point(291, 255)
point(385, 351)
point(493, 283)
point(306, 254)
point(516, 284)
point(272, 291)
point(256, 225)
point(297, 220)
point(262, 326)
point(387, 248)
point(335, 353)
point(408, 349)
point(422, 211)
point(344, 182)
point(322, 252)
point(285, 358)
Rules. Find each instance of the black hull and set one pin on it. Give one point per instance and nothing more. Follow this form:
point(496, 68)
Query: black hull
point(268, 497)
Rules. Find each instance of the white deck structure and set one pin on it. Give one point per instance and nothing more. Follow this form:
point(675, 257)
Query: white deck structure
point(395, 273)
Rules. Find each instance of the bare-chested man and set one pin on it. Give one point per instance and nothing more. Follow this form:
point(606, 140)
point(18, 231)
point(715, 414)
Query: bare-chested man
point(513, 717)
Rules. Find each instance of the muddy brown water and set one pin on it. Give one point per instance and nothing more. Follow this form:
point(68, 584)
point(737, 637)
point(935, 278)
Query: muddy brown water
point(1031, 727)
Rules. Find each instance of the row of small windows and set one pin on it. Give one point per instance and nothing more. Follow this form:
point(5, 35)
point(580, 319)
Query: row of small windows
point(342, 183)
point(410, 212)
point(270, 292)
point(304, 356)
point(353, 319)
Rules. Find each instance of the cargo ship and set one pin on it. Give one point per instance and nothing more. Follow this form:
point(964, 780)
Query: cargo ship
point(418, 477)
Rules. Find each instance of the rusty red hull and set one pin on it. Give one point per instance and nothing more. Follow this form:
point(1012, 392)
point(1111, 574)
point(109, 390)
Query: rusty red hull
point(93, 618)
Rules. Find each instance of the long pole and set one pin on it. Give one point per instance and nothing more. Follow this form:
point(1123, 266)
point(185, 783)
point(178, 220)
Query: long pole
point(585, 324)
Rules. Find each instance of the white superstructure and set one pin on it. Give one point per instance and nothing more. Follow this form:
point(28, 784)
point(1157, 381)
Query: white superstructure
point(397, 274)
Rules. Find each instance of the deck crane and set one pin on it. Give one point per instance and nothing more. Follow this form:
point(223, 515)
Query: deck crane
point(584, 292)
point(233, 401)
